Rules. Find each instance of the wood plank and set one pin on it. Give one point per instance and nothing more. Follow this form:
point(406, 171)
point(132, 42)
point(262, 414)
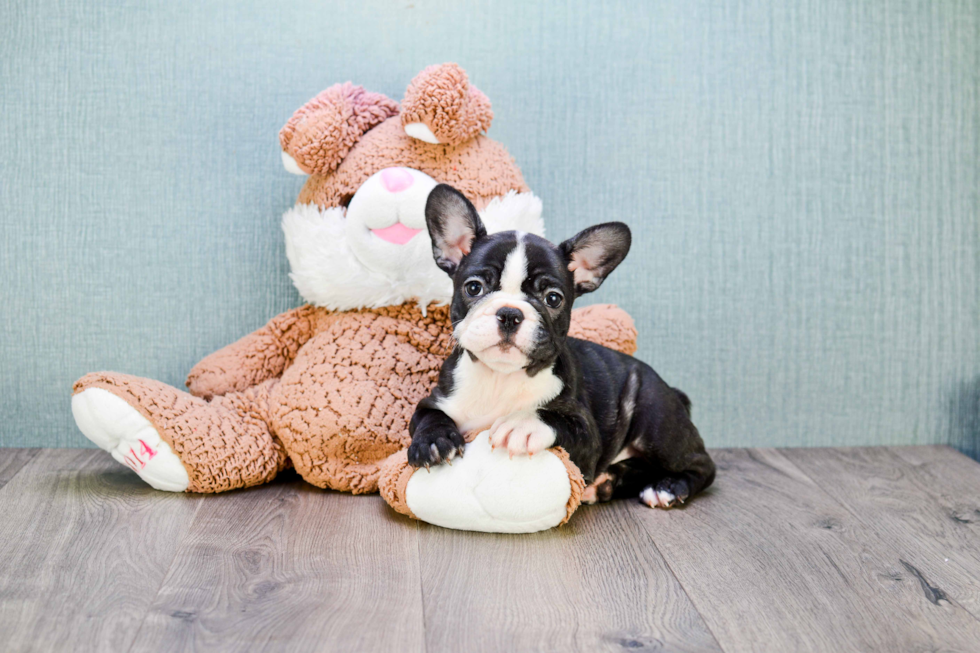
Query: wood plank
point(939, 539)
point(11, 462)
point(773, 563)
point(288, 566)
point(84, 546)
point(951, 477)
point(596, 584)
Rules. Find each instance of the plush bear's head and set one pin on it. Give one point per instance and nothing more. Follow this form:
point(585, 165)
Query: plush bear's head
point(356, 237)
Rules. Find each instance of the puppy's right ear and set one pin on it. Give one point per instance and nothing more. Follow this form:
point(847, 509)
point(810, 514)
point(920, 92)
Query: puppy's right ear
point(595, 252)
point(454, 225)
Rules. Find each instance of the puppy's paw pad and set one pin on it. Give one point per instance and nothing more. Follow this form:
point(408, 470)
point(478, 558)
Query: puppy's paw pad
point(658, 498)
point(436, 451)
point(502, 429)
point(540, 437)
point(521, 435)
point(498, 437)
point(435, 445)
point(667, 493)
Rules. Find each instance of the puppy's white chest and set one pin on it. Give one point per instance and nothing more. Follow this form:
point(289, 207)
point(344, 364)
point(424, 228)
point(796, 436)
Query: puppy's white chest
point(481, 395)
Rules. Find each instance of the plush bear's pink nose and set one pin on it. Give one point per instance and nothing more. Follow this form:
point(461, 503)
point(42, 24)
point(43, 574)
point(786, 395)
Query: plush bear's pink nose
point(396, 179)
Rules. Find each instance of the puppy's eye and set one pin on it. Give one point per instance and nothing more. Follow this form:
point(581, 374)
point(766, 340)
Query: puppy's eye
point(474, 287)
point(553, 299)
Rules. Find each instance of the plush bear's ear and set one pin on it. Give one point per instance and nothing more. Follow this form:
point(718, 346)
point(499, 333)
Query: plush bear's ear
point(594, 253)
point(441, 106)
point(453, 226)
point(318, 136)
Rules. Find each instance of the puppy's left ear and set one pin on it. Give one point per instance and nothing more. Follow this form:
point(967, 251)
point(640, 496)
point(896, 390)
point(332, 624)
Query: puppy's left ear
point(595, 252)
point(454, 225)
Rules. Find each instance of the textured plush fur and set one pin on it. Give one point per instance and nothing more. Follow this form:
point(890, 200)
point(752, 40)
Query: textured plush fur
point(329, 391)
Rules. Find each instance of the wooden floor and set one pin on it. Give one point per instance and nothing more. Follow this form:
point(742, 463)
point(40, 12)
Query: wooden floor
point(807, 549)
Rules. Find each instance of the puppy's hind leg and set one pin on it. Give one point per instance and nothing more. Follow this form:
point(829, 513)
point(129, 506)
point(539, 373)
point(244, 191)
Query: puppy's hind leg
point(666, 493)
point(623, 478)
point(657, 488)
point(672, 488)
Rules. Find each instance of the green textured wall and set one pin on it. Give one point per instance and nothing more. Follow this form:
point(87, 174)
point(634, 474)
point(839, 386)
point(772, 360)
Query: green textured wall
point(802, 177)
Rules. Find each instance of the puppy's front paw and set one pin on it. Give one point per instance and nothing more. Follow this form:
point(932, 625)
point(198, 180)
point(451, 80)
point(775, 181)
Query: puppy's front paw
point(434, 445)
point(521, 434)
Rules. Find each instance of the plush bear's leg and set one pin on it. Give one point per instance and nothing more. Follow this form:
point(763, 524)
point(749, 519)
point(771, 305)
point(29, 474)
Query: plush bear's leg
point(220, 445)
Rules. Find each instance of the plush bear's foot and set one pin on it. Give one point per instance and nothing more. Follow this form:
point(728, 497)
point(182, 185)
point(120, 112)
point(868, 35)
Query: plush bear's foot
point(120, 429)
point(486, 490)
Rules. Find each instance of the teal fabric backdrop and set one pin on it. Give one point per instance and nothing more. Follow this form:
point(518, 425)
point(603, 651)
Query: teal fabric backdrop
point(802, 178)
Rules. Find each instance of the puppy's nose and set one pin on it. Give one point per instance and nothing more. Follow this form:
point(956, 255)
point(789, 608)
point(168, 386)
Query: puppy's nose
point(510, 319)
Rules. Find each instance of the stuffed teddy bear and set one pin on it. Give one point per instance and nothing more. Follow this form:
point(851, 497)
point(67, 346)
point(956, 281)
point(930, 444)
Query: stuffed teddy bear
point(329, 387)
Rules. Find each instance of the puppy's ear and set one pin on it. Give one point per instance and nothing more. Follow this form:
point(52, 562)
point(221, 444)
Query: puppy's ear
point(454, 225)
point(595, 252)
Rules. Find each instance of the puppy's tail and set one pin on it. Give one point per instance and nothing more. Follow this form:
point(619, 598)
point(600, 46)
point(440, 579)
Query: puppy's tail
point(684, 400)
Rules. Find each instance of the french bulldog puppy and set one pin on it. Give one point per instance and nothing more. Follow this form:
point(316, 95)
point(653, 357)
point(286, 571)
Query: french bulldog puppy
point(516, 373)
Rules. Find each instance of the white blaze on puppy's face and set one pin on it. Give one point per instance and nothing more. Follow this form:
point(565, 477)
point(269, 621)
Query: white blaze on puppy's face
point(515, 269)
point(480, 333)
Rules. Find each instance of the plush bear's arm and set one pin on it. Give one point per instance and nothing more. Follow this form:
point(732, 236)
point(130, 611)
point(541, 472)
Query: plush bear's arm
point(257, 357)
point(605, 324)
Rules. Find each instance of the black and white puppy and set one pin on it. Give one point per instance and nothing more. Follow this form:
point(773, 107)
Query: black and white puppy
point(516, 372)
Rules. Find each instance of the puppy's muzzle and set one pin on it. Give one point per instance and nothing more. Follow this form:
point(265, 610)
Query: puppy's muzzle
point(509, 320)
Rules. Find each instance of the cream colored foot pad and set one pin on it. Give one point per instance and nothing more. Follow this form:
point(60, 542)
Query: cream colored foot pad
point(120, 429)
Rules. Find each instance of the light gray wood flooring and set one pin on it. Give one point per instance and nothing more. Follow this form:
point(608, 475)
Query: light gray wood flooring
point(866, 549)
